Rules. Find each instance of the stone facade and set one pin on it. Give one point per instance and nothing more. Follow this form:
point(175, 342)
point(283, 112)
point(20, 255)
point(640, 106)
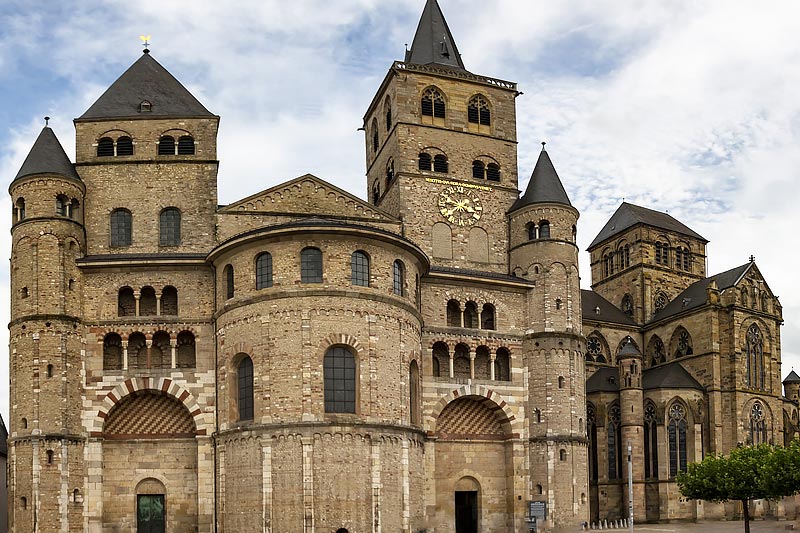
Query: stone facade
point(303, 360)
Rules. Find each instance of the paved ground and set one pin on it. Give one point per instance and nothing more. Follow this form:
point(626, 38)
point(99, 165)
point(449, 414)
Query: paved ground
point(733, 526)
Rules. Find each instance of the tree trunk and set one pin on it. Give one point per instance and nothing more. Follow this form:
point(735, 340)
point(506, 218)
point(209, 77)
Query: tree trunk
point(746, 509)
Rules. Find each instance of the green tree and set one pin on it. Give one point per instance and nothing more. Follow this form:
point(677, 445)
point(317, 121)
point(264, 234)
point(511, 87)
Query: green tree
point(782, 472)
point(742, 476)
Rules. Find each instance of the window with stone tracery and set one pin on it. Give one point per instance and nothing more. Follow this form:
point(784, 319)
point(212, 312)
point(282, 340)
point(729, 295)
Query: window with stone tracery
point(478, 111)
point(660, 302)
point(656, 351)
point(755, 373)
point(758, 424)
point(591, 430)
point(627, 305)
point(614, 443)
point(683, 344)
point(432, 103)
point(677, 439)
point(650, 442)
point(594, 350)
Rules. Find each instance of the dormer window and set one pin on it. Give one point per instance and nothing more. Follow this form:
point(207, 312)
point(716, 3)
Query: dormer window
point(145, 106)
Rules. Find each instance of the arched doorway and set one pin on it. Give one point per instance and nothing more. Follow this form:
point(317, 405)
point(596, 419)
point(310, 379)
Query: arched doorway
point(466, 498)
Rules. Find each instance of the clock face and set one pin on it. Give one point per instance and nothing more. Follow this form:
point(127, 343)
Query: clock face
point(460, 205)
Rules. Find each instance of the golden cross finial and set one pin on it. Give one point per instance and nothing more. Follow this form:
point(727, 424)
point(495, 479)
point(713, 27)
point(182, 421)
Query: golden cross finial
point(145, 42)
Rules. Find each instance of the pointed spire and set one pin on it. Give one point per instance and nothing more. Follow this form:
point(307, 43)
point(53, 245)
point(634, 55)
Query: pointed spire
point(146, 81)
point(544, 186)
point(433, 42)
point(47, 156)
point(792, 377)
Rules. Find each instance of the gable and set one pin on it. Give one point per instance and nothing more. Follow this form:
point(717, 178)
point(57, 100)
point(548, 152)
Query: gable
point(308, 196)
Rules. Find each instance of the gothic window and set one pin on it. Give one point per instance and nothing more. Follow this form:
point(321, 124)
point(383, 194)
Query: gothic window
point(399, 278)
point(502, 365)
point(413, 392)
point(121, 227)
point(441, 358)
point(544, 229)
point(186, 145)
point(264, 271)
point(425, 161)
point(105, 147)
point(614, 443)
point(677, 439)
point(245, 396)
point(432, 104)
point(185, 353)
point(678, 257)
point(166, 145)
point(606, 269)
point(454, 314)
point(375, 137)
point(755, 358)
point(478, 111)
point(311, 265)
point(650, 442)
point(440, 163)
point(493, 172)
point(487, 317)
point(758, 424)
point(627, 305)
point(359, 269)
point(662, 253)
point(478, 170)
point(147, 302)
point(112, 352)
point(655, 351)
point(389, 171)
point(169, 300)
point(470, 315)
point(661, 301)
point(388, 110)
point(61, 205)
point(626, 256)
point(126, 302)
point(594, 350)
point(682, 343)
point(169, 227)
point(376, 193)
point(230, 286)
point(339, 369)
point(124, 145)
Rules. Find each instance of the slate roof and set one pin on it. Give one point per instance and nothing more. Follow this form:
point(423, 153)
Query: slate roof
point(628, 215)
point(590, 301)
point(671, 376)
point(695, 294)
point(433, 43)
point(792, 378)
point(47, 156)
point(544, 186)
point(147, 80)
point(604, 380)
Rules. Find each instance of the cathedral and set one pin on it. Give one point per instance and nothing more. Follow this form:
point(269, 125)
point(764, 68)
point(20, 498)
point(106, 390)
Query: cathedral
point(302, 360)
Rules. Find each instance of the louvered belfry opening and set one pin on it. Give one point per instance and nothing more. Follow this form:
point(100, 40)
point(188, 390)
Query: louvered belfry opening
point(166, 145)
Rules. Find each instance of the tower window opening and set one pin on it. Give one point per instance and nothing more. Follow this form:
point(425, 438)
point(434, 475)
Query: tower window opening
point(478, 170)
point(440, 163)
point(432, 103)
point(311, 265)
point(49, 371)
point(124, 145)
point(264, 271)
point(23, 292)
point(359, 269)
point(49, 457)
point(375, 137)
point(544, 229)
point(61, 205)
point(389, 171)
point(493, 172)
point(121, 227)
point(388, 110)
point(245, 396)
point(24, 423)
point(186, 145)
point(478, 111)
point(105, 147)
point(166, 145)
point(230, 286)
point(399, 278)
point(170, 227)
point(425, 161)
point(19, 209)
point(339, 369)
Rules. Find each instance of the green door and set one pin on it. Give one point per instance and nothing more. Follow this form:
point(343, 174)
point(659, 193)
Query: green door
point(150, 515)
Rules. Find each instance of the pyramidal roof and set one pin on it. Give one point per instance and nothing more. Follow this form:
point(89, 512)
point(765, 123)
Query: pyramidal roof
point(544, 186)
point(792, 378)
point(146, 80)
point(628, 215)
point(433, 42)
point(47, 156)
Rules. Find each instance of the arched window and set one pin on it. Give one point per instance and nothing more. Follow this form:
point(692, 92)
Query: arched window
point(19, 209)
point(169, 300)
point(147, 301)
point(339, 369)
point(49, 371)
point(49, 457)
point(230, 286)
point(413, 392)
point(595, 350)
point(161, 351)
point(166, 145)
point(432, 104)
point(186, 145)
point(614, 443)
point(650, 442)
point(440, 358)
point(662, 253)
point(399, 278)
point(264, 270)
point(627, 305)
point(478, 111)
point(758, 424)
point(126, 302)
point(124, 145)
point(656, 353)
point(532, 233)
point(376, 193)
point(493, 172)
point(425, 161)
point(544, 229)
point(440, 163)
point(562, 454)
point(387, 106)
point(375, 137)
point(105, 147)
point(244, 376)
point(121, 227)
point(24, 423)
point(73, 207)
point(311, 265)
point(661, 301)
point(137, 351)
point(185, 351)
point(561, 382)
point(502, 365)
point(389, 171)
point(461, 365)
point(482, 363)
point(454, 314)
point(682, 343)
point(169, 224)
point(359, 269)
point(755, 358)
point(487, 317)
point(112, 352)
point(470, 315)
point(478, 170)
point(677, 439)
point(61, 205)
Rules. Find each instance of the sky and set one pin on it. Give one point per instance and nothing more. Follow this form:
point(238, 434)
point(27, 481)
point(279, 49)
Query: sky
point(684, 107)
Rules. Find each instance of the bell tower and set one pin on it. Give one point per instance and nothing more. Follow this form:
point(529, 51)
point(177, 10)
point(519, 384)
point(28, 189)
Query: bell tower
point(441, 151)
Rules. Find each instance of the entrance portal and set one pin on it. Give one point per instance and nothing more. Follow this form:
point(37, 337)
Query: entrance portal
point(150, 514)
point(467, 511)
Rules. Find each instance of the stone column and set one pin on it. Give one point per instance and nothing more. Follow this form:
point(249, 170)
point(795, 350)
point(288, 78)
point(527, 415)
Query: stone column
point(136, 296)
point(125, 355)
point(158, 305)
point(149, 344)
point(492, 357)
point(451, 364)
point(472, 364)
point(173, 348)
